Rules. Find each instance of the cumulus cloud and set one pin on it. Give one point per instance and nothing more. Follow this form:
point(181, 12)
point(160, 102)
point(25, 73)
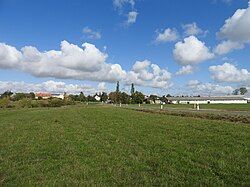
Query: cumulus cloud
point(192, 29)
point(119, 4)
point(131, 17)
point(208, 88)
point(71, 62)
point(184, 70)
point(229, 73)
point(91, 34)
point(227, 46)
point(9, 56)
point(145, 73)
point(101, 87)
point(235, 31)
point(168, 35)
point(191, 51)
point(48, 86)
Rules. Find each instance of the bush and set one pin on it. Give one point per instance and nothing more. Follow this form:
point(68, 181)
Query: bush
point(43, 103)
point(5, 102)
point(25, 103)
point(55, 102)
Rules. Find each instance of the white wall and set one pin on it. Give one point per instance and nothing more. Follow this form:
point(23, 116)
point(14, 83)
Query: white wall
point(212, 102)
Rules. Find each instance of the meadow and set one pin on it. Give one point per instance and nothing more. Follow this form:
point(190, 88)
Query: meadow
point(107, 145)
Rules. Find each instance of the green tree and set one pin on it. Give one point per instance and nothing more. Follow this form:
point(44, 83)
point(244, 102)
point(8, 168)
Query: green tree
point(243, 91)
point(236, 91)
point(117, 87)
point(112, 97)
point(82, 97)
point(6, 94)
point(104, 96)
point(132, 89)
point(5, 102)
point(125, 98)
point(19, 96)
point(137, 97)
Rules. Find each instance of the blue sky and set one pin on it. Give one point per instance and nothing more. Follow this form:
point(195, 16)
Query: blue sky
point(125, 39)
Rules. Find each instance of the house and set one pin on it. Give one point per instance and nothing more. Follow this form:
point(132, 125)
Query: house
point(58, 95)
point(208, 100)
point(97, 97)
point(47, 95)
point(43, 95)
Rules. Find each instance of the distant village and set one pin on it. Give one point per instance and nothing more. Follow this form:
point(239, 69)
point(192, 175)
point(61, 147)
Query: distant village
point(135, 97)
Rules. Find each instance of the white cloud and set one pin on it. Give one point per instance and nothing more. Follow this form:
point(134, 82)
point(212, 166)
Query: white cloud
point(101, 87)
point(229, 73)
point(9, 56)
point(208, 88)
point(86, 63)
point(119, 4)
point(191, 51)
point(71, 62)
point(192, 29)
point(236, 28)
point(48, 86)
point(131, 17)
point(144, 73)
point(168, 35)
point(235, 31)
point(91, 34)
point(184, 70)
point(227, 46)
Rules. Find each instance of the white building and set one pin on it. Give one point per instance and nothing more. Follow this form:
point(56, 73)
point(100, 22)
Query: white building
point(59, 96)
point(208, 100)
point(97, 98)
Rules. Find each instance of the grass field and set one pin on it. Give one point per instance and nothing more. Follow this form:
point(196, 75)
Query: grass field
point(229, 107)
point(106, 145)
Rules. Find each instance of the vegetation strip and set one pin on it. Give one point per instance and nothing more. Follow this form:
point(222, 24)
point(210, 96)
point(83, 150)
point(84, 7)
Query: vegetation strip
point(195, 114)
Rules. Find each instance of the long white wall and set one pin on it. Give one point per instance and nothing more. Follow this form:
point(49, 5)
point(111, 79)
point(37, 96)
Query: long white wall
point(213, 102)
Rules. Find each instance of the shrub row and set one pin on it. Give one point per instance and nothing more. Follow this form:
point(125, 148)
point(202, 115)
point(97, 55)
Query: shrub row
point(29, 103)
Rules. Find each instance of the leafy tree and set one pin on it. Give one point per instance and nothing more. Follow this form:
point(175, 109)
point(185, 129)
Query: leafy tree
point(168, 95)
point(19, 96)
point(90, 98)
point(240, 91)
point(82, 97)
point(112, 96)
point(104, 96)
point(5, 102)
point(32, 95)
point(243, 91)
point(6, 94)
point(137, 97)
point(117, 87)
point(236, 91)
point(125, 98)
point(132, 89)
point(74, 97)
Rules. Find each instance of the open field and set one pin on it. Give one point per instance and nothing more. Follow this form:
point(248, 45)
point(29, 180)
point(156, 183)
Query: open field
point(227, 107)
point(108, 145)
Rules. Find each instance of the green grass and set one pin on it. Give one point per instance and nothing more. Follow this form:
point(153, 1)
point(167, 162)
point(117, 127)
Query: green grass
point(114, 146)
point(230, 107)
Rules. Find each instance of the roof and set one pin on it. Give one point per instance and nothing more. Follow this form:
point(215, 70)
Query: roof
point(205, 98)
point(43, 94)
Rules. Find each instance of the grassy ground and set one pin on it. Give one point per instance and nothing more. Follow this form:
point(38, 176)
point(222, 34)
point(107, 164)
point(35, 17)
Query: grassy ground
point(229, 107)
point(110, 145)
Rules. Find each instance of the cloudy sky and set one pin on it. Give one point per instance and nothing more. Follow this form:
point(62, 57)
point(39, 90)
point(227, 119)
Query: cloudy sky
point(162, 46)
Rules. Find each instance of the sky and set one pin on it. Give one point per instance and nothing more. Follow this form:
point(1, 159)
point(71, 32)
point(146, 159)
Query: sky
point(189, 47)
